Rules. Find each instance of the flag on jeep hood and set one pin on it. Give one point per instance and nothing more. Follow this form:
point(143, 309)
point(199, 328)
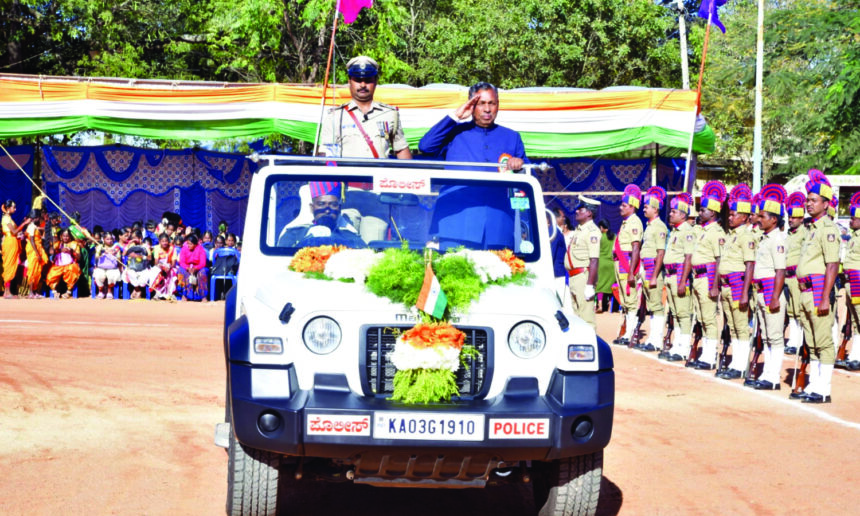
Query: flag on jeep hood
point(431, 299)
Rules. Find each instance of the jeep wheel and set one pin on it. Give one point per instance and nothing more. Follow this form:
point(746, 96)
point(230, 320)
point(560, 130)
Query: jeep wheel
point(569, 487)
point(252, 481)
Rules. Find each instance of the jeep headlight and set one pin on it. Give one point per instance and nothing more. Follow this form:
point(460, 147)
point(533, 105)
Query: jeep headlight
point(321, 335)
point(526, 340)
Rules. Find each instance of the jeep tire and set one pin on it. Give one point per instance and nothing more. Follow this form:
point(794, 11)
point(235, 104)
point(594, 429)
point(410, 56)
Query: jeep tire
point(568, 487)
point(252, 481)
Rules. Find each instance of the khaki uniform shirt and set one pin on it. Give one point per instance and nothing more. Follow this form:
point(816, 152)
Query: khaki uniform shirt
point(793, 242)
point(740, 248)
point(852, 257)
point(654, 239)
point(584, 245)
point(770, 254)
point(820, 247)
point(681, 242)
point(710, 239)
point(630, 232)
point(341, 137)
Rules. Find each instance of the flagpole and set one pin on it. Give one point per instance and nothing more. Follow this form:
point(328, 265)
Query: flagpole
point(682, 32)
point(687, 185)
point(759, 62)
point(325, 79)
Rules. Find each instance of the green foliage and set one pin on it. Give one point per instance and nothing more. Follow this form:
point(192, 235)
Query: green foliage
point(413, 386)
point(397, 276)
point(458, 280)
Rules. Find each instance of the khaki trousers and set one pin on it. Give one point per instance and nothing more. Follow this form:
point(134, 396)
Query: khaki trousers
point(739, 321)
point(772, 324)
point(630, 302)
point(681, 307)
point(654, 296)
point(817, 330)
point(793, 308)
point(581, 307)
point(707, 310)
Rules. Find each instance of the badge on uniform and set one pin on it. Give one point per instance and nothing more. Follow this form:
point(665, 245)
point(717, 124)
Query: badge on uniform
point(780, 249)
point(662, 236)
point(594, 240)
point(383, 129)
point(751, 245)
point(722, 242)
point(831, 237)
point(689, 238)
point(634, 231)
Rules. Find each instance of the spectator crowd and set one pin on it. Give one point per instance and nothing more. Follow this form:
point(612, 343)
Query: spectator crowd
point(167, 260)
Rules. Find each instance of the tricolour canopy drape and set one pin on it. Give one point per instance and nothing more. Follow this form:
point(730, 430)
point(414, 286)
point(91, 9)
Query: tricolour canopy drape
point(554, 122)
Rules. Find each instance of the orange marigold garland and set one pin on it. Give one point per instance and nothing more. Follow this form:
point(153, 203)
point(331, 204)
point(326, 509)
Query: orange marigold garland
point(517, 265)
point(313, 259)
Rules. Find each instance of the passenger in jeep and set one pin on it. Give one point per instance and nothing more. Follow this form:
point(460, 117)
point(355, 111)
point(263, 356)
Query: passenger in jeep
point(329, 227)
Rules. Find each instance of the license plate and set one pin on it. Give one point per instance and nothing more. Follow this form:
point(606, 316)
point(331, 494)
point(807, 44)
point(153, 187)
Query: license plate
point(428, 426)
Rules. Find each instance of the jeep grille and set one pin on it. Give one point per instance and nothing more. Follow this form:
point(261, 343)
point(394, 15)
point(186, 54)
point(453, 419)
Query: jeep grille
point(379, 373)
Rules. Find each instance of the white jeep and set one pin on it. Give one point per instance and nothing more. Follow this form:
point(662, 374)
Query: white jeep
point(309, 369)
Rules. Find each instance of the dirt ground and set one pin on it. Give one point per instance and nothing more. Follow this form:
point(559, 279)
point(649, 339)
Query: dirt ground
point(108, 407)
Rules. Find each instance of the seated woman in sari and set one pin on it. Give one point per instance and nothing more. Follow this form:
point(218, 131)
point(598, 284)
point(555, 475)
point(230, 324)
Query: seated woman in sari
point(136, 272)
point(106, 272)
point(163, 273)
point(65, 266)
point(192, 273)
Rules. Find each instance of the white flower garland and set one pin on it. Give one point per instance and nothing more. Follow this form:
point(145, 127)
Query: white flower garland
point(487, 265)
point(406, 356)
point(351, 264)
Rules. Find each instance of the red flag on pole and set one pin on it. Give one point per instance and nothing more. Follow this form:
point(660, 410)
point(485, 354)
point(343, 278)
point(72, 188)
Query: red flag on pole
point(351, 8)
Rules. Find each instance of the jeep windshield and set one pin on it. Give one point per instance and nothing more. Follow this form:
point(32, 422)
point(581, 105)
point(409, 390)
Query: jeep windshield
point(391, 207)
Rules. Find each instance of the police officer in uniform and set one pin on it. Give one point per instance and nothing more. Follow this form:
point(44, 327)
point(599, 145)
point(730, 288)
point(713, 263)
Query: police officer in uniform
point(736, 270)
point(851, 264)
point(652, 254)
point(679, 252)
point(816, 276)
point(769, 278)
point(793, 242)
point(626, 256)
point(581, 259)
point(363, 128)
point(705, 261)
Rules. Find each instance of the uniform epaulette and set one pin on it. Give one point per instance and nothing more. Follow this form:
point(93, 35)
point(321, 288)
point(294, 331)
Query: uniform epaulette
point(384, 105)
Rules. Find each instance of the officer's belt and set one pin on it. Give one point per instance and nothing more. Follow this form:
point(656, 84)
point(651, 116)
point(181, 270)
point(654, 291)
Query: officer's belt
point(576, 270)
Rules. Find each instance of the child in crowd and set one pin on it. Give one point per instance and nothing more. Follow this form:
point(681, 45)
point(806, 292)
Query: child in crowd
point(106, 272)
point(136, 265)
point(163, 273)
point(206, 240)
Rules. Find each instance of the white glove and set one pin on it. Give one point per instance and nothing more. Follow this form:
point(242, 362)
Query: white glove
point(318, 231)
point(589, 292)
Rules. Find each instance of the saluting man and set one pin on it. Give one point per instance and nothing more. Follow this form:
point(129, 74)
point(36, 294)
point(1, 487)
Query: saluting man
point(653, 253)
point(626, 256)
point(736, 270)
point(851, 265)
point(705, 262)
point(581, 259)
point(679, 252)
point(793, 242)
point(769, 278)
point(816, 276)
point(363, 128)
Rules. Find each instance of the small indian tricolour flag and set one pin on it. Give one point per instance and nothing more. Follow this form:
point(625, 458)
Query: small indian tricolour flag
point(431, 299)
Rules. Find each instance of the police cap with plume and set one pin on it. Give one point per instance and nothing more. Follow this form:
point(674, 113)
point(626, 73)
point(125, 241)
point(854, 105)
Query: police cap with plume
point(655, 197)
point(682, 202)
point(740, 199)
point(713, 196)
point(631, 196)
point(773, 199)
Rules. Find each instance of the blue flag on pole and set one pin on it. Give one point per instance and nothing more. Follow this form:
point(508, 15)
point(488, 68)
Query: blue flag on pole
point(710, 6)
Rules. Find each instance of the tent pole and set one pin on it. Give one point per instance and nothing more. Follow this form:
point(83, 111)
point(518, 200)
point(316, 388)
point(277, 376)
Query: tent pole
point(325, 79)
point(759, 64)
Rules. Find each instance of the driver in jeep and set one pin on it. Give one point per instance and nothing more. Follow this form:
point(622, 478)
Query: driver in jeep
point(329, 227)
